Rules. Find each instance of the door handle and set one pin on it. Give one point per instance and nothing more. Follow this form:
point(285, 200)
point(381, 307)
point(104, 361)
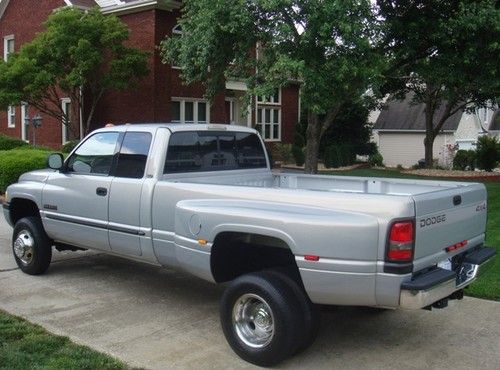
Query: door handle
point(102, 192)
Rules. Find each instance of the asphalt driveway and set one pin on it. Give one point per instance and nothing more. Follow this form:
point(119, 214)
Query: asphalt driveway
point(158, 318)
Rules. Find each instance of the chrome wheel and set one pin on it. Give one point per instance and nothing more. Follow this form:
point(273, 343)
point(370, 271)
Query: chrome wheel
point(253, 321)
point(24, 246)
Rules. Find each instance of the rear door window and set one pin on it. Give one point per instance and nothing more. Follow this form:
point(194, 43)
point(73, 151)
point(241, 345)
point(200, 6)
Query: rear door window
point(213, 151)
point(133, 155)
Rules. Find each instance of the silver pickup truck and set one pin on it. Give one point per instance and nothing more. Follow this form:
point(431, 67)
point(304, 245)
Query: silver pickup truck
point(203, 198)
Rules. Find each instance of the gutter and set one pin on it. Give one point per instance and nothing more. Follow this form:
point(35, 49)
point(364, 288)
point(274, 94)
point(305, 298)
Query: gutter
point(410, 131)
point(141, 5)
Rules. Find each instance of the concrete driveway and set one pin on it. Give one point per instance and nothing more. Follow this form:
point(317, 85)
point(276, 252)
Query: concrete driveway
point(161, 319)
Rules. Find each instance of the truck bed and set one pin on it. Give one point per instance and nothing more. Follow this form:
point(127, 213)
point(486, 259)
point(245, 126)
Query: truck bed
point(344, 184)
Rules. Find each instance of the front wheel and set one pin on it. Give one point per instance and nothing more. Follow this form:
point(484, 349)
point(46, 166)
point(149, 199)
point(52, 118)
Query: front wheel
point(31, 246)
point(260, 317)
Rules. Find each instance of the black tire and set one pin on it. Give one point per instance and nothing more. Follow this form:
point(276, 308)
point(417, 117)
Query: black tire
point(270, 294)
point(31, 246)
point(311, 312)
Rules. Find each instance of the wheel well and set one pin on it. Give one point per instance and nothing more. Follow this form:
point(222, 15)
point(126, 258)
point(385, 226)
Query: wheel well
point(20, 208)
point(234, 254)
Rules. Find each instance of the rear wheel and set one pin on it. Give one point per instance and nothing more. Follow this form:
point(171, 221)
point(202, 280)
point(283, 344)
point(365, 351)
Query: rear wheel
point(310, 311)
point(261, 318)
point(31, 246)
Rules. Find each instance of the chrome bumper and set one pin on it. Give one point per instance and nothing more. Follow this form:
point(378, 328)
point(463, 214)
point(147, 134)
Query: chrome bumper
point(428, 288)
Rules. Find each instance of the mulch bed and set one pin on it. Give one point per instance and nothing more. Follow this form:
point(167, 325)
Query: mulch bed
point(457, 175)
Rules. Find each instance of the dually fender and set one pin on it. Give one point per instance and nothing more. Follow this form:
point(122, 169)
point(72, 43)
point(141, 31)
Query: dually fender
point(346, 241)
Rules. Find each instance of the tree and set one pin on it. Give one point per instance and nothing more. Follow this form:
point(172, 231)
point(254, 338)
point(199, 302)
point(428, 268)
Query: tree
point(79, 54)
point(446, 54)
point(351, 127)
point(326, 45)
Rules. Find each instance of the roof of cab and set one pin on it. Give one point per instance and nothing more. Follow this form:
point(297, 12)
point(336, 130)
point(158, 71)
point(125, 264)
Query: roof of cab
point(176, 127)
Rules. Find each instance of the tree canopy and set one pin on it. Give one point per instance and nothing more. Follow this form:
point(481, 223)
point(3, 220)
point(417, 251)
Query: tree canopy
point(78, 52)
point(445, 53)
point(326, 45)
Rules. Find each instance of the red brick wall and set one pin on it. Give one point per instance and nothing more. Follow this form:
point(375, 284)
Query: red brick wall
point(137, 104)
point(150, 101)
point(21, 20)
point(289, 112)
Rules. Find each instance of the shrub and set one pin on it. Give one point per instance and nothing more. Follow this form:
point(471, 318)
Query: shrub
point(8, 143)
point(464, 160)
point(15, 162)
point(282, 152)
point(69, 146)
point(366, 148)
point(376, 160)
point(299, 140)
point(339, 155)
point(487, 152)
point(298, 155)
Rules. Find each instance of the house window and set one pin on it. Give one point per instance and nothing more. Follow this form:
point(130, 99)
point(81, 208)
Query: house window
point(269, 123)
point(176, 32)
point(11, 116)
point(268, 112)
point(8, 46)
point(24, 121)
point(271, 99)
point(66, 108)
point(190, 111)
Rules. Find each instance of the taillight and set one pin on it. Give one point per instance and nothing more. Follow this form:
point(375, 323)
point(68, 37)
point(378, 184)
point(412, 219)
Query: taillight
point(401, 241)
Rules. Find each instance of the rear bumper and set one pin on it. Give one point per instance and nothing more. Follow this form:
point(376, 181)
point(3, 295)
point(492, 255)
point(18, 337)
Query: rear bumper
point(434, 285)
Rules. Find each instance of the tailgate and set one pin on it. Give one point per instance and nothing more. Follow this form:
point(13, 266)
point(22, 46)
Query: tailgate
point(448, 217)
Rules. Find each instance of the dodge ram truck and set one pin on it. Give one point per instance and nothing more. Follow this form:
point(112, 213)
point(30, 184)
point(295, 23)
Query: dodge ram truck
point(204, 198)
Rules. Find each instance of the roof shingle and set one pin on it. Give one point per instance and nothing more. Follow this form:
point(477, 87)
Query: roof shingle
point(406, 115)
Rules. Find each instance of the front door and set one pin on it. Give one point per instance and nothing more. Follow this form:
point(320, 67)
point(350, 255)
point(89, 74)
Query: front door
point(75, 200)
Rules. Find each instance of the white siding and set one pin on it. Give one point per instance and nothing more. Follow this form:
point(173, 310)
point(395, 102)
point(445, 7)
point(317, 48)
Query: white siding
point(467, 131)
point(407, 148)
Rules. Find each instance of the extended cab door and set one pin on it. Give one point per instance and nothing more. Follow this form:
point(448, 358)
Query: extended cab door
point(75, 200)
point(125, 195)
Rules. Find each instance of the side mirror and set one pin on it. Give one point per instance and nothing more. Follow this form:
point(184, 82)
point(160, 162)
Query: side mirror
point(55, 161)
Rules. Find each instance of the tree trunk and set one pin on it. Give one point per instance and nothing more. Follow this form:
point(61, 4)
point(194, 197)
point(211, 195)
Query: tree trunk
point(429, 135)
point(313, 134)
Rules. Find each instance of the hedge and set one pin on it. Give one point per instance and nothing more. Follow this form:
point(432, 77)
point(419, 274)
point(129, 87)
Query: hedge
point(15, 162)
point(487, 152)
point(464, 160)
point(8, 143)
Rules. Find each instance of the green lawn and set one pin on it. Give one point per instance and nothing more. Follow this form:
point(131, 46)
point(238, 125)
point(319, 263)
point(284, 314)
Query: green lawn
point(28, 346)
point(488, 285)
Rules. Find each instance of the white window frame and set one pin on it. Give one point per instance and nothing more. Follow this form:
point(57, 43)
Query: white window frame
point(11, 116)
point(262, 130)
point(6, 51)
point(176, 31)
point(24, 126)
point(261, 103)
point(64, 134)
point(231, 102)
point(262, 99)
point(195, 102)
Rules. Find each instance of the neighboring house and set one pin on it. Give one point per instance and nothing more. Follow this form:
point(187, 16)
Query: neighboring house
point(161, 96)
point(399, 131)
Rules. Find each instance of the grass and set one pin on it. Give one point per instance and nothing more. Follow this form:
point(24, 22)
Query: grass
point(27, 346)
point(488, 285)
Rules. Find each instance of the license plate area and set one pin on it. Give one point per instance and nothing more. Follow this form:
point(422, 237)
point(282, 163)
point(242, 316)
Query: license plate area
point(465, 272)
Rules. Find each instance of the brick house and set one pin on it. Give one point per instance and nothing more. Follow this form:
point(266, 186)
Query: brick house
point(161, 96)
